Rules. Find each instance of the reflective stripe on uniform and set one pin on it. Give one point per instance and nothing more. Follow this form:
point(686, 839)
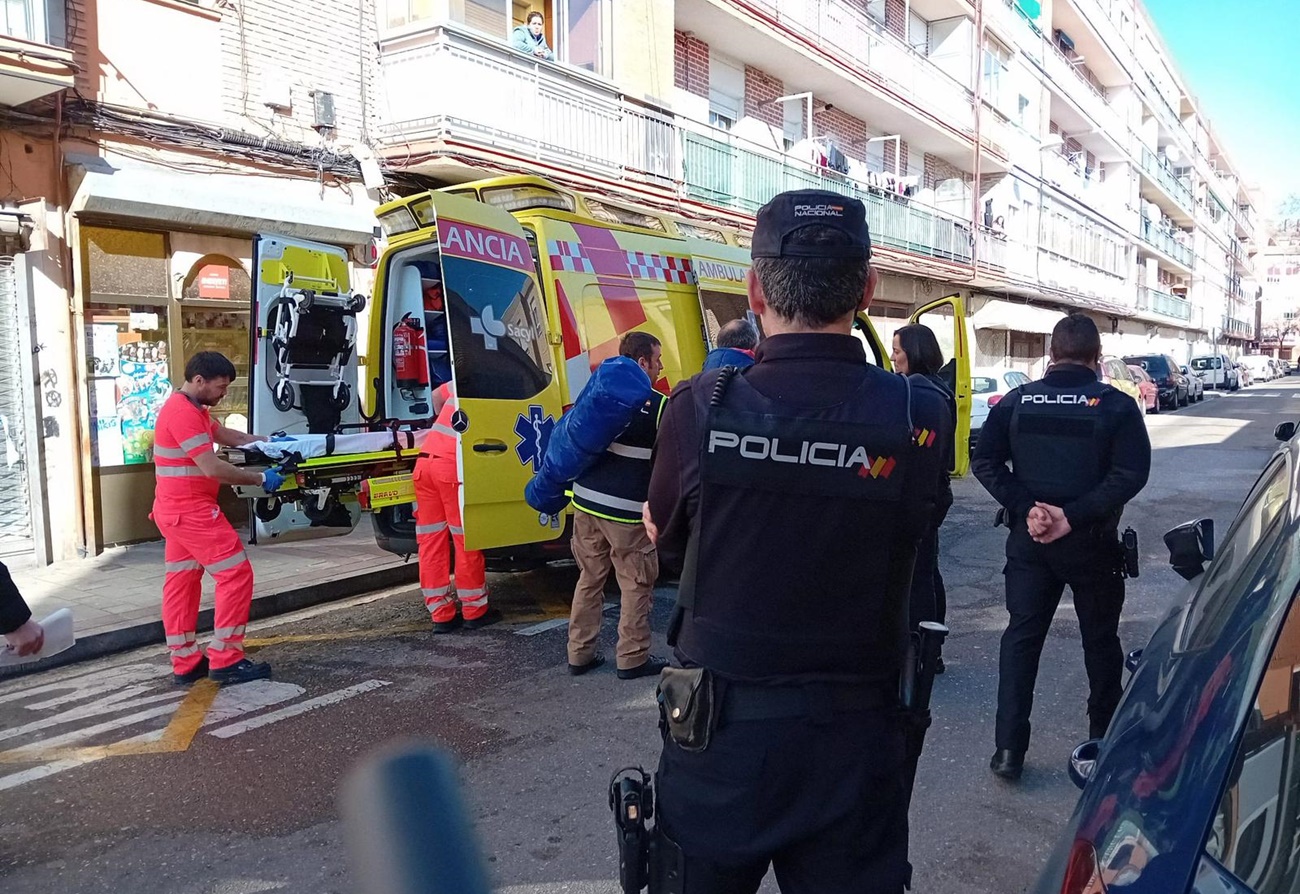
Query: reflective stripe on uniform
point(587, 493)
point(179, 472)
point(185, 651)
point(434, 528)
point(183, 565)
point(472, 598)
point(169, 452)
point(435, 592)
point(444, 430)
point(630, 452)
point(456, 530)
point(227, 563)
point(179, 639)
point(198, 440)
point(228, 632)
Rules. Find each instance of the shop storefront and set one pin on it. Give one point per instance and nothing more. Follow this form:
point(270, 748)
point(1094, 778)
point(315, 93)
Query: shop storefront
point(152, 294)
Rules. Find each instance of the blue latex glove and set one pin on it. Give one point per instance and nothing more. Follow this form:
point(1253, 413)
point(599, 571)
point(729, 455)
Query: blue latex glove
point(272, 480)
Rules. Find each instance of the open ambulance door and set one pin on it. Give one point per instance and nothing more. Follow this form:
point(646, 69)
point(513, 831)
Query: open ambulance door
point(492, 320)
point(720, 278)
point(304, 379)
point(947, 319)
point(878, 353)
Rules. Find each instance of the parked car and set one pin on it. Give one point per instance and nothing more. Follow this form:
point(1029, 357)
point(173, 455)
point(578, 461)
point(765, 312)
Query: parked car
point(1195, 788)
point(1245, 375)
point(1195, 384)
point(1171, 383)
point(1147, 389)
point(988, 386)
point(1217, 370)
point(1261, 367)
point(1115, 372)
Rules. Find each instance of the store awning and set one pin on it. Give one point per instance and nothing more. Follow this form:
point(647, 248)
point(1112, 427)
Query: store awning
point(1015, 317)
point(241, 203)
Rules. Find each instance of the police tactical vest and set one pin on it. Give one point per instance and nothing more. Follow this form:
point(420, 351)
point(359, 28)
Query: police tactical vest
point(615, 486)
point(1058, 440)
point(803, 547)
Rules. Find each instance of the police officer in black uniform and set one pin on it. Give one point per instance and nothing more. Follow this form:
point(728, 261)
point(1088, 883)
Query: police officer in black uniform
point(1079, 451)
point(794, 492)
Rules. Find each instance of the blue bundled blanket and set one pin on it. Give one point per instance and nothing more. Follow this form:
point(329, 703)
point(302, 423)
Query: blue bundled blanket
point(616, 391)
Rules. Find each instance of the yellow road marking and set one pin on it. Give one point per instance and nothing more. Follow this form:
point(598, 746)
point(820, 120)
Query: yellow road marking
point(178, 735)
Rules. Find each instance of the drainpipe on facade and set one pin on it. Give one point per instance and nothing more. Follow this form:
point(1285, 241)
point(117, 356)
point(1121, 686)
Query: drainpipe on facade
point(979, 102)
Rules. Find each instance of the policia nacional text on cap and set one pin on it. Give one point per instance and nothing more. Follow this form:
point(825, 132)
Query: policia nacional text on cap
point(784, 745)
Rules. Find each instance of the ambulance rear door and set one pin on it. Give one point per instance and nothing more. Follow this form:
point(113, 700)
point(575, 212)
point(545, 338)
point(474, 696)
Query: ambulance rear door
point(720, 276)
point(501, 364)
point(947, 319)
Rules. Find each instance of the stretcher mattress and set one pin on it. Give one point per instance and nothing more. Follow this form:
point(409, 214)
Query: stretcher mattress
point(303, 447)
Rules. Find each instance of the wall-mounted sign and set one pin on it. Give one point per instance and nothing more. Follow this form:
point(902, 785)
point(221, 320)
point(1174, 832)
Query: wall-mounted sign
point(213, 281)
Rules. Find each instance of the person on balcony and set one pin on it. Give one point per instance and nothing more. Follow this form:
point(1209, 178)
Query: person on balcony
point(528, 38)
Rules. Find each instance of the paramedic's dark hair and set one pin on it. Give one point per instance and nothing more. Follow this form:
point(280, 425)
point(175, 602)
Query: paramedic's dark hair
point(813, 291)
point(637, 345)
point(1076, 339)
point(534, 15)
point(921, 347)
point(210, 365)
point(738, 334)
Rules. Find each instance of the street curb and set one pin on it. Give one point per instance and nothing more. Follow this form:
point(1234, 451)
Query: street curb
point(283, 602)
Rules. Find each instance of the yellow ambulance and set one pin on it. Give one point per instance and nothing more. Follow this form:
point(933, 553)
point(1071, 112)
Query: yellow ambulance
point(516, 289)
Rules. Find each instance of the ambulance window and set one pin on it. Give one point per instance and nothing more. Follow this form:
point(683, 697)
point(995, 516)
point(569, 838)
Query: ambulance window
point(719, 309)
point(498, 331)
point(530, 235)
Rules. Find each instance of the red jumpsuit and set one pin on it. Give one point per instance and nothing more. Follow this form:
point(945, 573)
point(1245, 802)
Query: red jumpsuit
point(197, 537)
point(437, 513)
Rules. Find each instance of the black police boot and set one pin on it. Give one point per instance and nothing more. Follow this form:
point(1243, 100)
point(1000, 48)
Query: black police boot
point(650, 668)
point(244, 672)
point(1007, 763)
point(200, 671)
point(488, 618)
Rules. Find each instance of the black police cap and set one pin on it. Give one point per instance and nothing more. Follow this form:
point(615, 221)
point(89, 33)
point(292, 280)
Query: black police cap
point(791, 211)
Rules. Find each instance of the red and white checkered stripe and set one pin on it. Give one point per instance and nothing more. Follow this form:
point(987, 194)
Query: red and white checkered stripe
point(569, 257)
point(662, 268)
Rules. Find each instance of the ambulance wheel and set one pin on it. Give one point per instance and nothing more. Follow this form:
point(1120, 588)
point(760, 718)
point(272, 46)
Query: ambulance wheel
point(341, 398)
point(320, 514)
point(356, 304)
point(267, 509)
point(282, 396)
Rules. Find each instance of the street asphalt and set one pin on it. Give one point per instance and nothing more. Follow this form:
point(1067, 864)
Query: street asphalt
point(113, 780)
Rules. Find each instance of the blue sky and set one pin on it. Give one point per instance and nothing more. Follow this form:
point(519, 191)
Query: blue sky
point(1242, 61)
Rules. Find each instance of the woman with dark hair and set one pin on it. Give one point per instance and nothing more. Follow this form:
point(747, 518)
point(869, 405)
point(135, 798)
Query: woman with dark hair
point(916, 353)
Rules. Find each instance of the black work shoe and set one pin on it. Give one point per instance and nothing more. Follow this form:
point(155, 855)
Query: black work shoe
point(447, 626)
point(200, 671)
point(651, 668)
point(939, 666)
point(243, 672)
point(487, 619)
point(577, 670)
point(1007, 763)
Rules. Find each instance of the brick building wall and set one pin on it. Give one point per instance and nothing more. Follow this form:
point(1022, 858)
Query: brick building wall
point(849, 133)
point(691, 64)
point(896, 17)
point(937, 170)
point(902, 156)
point(761, 89)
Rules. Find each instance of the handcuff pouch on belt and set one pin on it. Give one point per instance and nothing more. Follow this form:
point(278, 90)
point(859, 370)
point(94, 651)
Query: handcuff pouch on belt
point(688, 706)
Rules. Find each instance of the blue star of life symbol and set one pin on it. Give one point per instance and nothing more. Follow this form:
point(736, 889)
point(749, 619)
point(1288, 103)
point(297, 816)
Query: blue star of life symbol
point(534, 431)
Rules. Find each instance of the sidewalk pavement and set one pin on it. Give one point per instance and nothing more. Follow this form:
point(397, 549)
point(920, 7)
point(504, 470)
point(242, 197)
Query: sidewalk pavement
point(116, 597)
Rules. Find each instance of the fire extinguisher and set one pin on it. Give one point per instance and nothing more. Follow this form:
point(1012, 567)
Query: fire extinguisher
point(410, 360)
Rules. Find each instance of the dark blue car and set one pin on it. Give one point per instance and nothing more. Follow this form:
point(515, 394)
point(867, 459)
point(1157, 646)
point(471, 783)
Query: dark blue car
point(1196, 786)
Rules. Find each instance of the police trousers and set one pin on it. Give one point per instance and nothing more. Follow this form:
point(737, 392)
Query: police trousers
point(1036, 575)
point(821, 800)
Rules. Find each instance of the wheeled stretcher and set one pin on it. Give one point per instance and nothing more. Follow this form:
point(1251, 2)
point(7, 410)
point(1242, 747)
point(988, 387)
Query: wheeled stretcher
point(325, 471)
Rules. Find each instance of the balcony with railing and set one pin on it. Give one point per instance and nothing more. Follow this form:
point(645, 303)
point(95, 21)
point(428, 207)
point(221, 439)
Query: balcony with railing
point(34, 60)
point(861, 44)
point(1166, 243)
point(1082, 183)
point(1169, 118)
point(1235, 327)
point(522, 110)
point(1174, 188)
point(1065, 74)
point(1156, 301)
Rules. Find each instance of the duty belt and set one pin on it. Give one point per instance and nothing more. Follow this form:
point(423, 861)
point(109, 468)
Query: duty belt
point(819, 701)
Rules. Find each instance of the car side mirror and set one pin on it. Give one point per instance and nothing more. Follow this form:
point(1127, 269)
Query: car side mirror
point(1191, 545)
point(1083, 762)
point(1133, 660)
point(1285, 431)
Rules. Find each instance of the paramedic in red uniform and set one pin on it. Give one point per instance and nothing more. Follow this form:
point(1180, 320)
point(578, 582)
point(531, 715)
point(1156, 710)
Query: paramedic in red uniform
point(197, 534)
point(437, 515)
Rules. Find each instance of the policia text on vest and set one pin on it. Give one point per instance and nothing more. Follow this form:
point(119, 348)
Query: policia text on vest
point(794, 495)
point(1078, 451)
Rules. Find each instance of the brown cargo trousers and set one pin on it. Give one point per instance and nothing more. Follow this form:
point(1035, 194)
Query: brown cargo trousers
point(598, 545)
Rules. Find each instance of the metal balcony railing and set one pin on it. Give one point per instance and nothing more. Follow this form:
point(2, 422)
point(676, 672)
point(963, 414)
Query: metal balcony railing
point(1166, 242)
point(1084, 93)
point(861, 42)
point(1160, 302)
point(1159, 170)
point(1238, 327)
point(541, 111)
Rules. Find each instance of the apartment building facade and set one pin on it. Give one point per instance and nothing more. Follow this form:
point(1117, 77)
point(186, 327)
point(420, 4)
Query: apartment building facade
point(1036, 158)
point(1279, 307)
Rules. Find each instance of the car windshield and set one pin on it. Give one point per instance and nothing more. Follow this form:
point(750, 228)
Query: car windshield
point(1015, 379)
point(983, 384)
point(1205, 363)
point(1154, 365)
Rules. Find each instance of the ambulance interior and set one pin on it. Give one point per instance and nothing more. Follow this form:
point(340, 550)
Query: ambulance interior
point(415, 316)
